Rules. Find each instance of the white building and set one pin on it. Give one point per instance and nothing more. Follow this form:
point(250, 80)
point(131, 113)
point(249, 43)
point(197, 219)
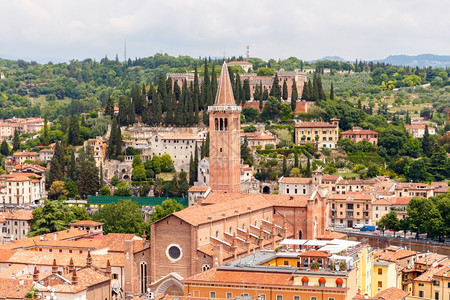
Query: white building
point(21, 188)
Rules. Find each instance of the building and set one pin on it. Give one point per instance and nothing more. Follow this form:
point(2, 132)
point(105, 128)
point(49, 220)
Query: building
point(197, 191)
point(352, 186)
point(15, 225)
point(226, 226)
point(357, 134)
point(46, 155)
point(21, 188)
point(433, 283)
point(98, 147)
point(258, 140)
point(384, 276)
point(324, 134)
point(350, 209)
point(224, 131)
point(88, 226)
point(288, 273)
point(412, 189)
point(417, 131)
point(21, 157)
point(245, 65)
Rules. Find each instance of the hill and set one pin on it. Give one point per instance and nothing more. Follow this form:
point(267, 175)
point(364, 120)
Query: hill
point(423, 60)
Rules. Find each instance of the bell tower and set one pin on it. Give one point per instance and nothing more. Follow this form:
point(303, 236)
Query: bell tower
point(224, 138)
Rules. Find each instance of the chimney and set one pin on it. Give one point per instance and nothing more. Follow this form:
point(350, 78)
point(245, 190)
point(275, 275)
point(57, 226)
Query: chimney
point(54, 267)
point(144, 236)
point(74, 277)
point(108, 269)
point(35, 274)
point(71, 266)
point(89, 259)
point(55, 236)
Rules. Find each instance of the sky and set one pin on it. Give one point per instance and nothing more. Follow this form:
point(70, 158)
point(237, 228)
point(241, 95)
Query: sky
point(61, 30)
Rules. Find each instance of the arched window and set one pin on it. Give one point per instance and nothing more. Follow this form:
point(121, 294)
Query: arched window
point(217, 233)
point(216, 122)
point(256, 222)
point(226, 124)
point(205, 267)
point(230, 229)
point(243, 226)
point(221, 124)
point(143, 277)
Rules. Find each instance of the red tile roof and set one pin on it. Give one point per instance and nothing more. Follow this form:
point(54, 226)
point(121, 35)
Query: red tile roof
point(392, 293)
point(237, 277)
point(86, 223)
point(315, 125)
point(13, 289)
point(296, 180)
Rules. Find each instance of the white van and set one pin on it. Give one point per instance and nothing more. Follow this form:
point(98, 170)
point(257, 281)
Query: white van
point(340, 226)
point(358, 226)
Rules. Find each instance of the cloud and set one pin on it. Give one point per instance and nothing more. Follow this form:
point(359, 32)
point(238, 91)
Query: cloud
point(306, 29)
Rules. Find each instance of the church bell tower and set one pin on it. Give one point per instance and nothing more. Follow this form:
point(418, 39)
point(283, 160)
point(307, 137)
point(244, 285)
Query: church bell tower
point(224, 138)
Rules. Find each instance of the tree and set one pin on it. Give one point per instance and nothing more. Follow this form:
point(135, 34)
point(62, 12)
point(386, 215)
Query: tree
point(123, 191)
point(296, 158)
point(56, 171)
point(105, 191)
point(294, 95)
point(420, 213)
point(57, 189)
point(166, 163)
point(276, 91)
point(74, 131)
point(183, 184)
point(417, 171)
point(156, 164)
point(122, 217)
point(308, 173)
point(139, 173)
point(88, 182)
point(305, 92)
point(46, 138)
point(4, 148)
point(137, 161)
point(404, 226)
point(71, 187)
point(246, 88)
point(332, 92)
point(166, 208)
point(285, 91)
point(295, 172)
point(427, 143)
point(284, 169)
point(16, 140)
point(192, 172)
point(390, 221)
point(53, 216)
point(245, 152)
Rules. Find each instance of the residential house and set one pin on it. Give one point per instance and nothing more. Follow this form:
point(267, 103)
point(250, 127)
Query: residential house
point(357, 134)
point(324, 134)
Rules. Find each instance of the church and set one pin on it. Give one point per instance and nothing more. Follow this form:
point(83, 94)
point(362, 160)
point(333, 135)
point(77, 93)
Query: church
point(226, 224)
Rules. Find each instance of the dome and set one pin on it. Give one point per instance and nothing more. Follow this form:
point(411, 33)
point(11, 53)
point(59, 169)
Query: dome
point(305, 279)
point(339, 281)
point(322, 280)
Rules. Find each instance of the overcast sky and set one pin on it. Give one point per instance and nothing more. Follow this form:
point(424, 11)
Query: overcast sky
point(364, 29)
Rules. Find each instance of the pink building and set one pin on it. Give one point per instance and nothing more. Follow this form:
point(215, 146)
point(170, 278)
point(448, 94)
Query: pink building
point(357, 134)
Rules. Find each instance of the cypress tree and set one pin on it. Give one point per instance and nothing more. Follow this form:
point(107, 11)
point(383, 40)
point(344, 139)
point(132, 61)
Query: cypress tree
point(123, 110)
point(74, 131)
point(332, 92)
point(196, 96)
point(305, 92)
point(261, 96)
point(294, 95)
point(308, 173)
point(256, 93)
point(118, 140)
point(246, 89)
point(55, 172)
point(285, 91)
point(207, 145)
point(71, 167)
point(131, 112)
point(237, 89)
point(101, 176)
point(112, 139)
point(146, 117)
point(46, 138)
point(213, 81)
point(427, 143)
point(109, 109)
point(276, 91)
point(310, 90)
point(16, 140)
point(191, 171)
point(284, 170)
point(169, 112)
point(196, 160)
point(320, 88)
point(265, 94)
point(176, 91)
point(156, 108)
point(359, 103)
point(4, 148)
point(190, 107)
point(162, 92)
point(88, 183)
point(296, 158)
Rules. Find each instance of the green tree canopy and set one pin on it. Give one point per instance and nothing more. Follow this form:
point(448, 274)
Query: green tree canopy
point(165, 209)
point(122, 217)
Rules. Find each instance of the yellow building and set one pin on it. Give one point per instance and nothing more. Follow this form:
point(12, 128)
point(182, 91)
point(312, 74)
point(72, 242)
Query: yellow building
point(364, 265)
point(434, 283)
point(325, 134)
point(384, 276)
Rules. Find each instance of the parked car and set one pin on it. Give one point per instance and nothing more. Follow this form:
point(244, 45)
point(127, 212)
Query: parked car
point(340, 226)
point(358, 226)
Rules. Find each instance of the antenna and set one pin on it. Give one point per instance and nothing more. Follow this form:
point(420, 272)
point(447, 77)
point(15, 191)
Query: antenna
point(125, 51)
point(247, 52)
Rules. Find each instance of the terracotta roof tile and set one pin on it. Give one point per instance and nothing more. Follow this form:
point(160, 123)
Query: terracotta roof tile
point(392, 293)
point(315, 125)
point(296, 180)
point(86, 223)
point(314, 253)
point(400, 200)
point(12, 289)
point(198, 189)
point(21, 214)
point(262, 278)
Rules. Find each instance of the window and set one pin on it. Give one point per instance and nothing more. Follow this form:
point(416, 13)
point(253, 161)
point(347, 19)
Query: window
point(330, 298)
point(435, 282)
point(229, 295)
point(313, 298)
point(421, 284)
point(286, 263)
point(279, 297)
point(212, 294)
point(380, 271)
point(262, 296)
point(436, 295)
point(421, 293)
point(380, 284)
point(206, 267)
point(296, 297)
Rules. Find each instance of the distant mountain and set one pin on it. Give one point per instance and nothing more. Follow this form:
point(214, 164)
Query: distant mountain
point(423, 60)
point(332, 58)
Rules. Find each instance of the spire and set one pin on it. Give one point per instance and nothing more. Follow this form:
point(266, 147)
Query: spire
point(35, 274)
point(74, 277)
point(71, 265)
point(224, 90)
